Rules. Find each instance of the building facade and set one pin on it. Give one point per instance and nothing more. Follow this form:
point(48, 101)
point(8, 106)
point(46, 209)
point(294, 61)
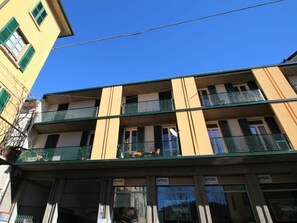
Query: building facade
point(28, 32)
point(216, 147)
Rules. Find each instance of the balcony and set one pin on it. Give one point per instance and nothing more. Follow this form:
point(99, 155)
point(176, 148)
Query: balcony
point(148, 149)
point(147, 106)
point(232, 98)
point(55, 154)
point(247, 144)
point(66, 115)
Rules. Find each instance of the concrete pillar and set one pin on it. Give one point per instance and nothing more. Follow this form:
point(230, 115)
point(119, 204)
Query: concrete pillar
point(152, 202)
point(201, 200)
point(259, 207)
point(51, 211)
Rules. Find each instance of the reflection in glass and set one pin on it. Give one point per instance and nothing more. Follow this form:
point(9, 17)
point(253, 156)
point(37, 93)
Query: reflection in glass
point(177, 204)
point(229, 203)
point(129, 205)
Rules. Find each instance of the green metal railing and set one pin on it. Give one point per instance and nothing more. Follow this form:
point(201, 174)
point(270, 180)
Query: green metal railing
point(164, 148)
point(24, 219)
point(254, 143)
point(232, 98)
point(55, 154)
point(148, 106)
point(79, 113)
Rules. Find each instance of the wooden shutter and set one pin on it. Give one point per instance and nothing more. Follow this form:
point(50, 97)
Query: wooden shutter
point(272, 125)
point(52, 141)
point(4, 98)
point(212, 89)
point(84, 138)
point(252, 85)
point(225, 128)
point(26, 58)
point(230, 88)
point(140, 134)
point(158, 136)
point(8, 30)
point(245, 127)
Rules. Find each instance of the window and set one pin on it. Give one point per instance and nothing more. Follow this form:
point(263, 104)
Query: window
point(12, 38)
point(130, 204)
point(4, 97)
point(39, 13)
point(229, 203)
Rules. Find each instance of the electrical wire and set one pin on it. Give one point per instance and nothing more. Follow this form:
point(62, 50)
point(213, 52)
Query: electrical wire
point(165, 26)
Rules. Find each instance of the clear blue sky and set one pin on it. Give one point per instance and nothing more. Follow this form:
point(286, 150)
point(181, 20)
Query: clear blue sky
point(260, 36)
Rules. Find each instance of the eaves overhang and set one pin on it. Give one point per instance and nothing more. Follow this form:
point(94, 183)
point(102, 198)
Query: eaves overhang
point(61, 18)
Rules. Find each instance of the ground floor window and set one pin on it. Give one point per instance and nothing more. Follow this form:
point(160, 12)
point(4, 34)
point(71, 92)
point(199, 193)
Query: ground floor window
point(229, 203)
point(130, 205)
point(281, 199)
point(177, 204)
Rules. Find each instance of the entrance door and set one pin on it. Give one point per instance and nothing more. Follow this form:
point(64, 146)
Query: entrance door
point(170, 143)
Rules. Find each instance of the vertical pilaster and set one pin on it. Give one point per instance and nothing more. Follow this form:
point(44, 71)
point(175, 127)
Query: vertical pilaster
point(107, 128)
point(257, 200)
point(275, 86)
point(191, 123)
point(201, 201)
point(152, 210)
point(51, 211)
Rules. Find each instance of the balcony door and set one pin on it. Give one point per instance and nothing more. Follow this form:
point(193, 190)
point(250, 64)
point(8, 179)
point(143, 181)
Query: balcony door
point(169, 141)
point(215, 139)
point(130, 140)
point(260, 134)
point(204, 97)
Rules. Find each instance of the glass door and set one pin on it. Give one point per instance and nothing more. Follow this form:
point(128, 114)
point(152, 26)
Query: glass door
point(169, 141)
point(261, 137)
point(129, 142)
point(204, 97)
point(215, 140)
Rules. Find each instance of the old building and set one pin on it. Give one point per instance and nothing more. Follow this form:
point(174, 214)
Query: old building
point(214, 147)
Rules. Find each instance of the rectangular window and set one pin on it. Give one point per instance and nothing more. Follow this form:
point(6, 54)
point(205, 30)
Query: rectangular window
point(39, 13)
point(4, 97)
point(229, 203)
point(12, 38)
point(130, 204)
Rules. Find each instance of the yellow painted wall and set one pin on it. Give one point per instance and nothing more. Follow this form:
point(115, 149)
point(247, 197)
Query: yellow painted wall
point(275, 86)
point(107, 129)
point(191, 124)
point(42, 38)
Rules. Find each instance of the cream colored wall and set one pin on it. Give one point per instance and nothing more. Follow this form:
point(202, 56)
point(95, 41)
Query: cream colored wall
point(149, 133)
point(220, 88)
point(16, 82)
point(148, 97)
point(234, 127)
point(275, 86)
point(107, 129)
point(191, 124)
point(65, 139)
point(81, 104)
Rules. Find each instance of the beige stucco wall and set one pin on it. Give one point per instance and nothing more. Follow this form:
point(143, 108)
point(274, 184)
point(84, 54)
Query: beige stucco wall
point(275, 86)
point(107, 129)
point(191, 124)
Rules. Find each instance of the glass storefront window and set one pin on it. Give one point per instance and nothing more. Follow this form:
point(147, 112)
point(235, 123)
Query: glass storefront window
point(177, 204)
point(130, 205)
point(281, 199)
point(229, 203)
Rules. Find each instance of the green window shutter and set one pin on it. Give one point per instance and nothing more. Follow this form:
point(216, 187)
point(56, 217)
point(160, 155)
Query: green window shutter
point(4, 97)
point(39, 13)
point(26, 58)
point(8, 30)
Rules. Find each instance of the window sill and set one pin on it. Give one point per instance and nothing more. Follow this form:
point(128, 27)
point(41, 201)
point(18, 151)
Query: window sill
point(32, 17)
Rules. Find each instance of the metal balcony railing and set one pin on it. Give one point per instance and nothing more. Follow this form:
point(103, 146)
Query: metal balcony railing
point(71, 114)
point(148, 106)
point(148, 149)
point(254, 143)
point(232, 98)
point(78, 153)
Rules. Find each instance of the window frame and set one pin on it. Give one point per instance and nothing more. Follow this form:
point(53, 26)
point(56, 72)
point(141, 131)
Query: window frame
point(39, 13)
point(24, 57)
